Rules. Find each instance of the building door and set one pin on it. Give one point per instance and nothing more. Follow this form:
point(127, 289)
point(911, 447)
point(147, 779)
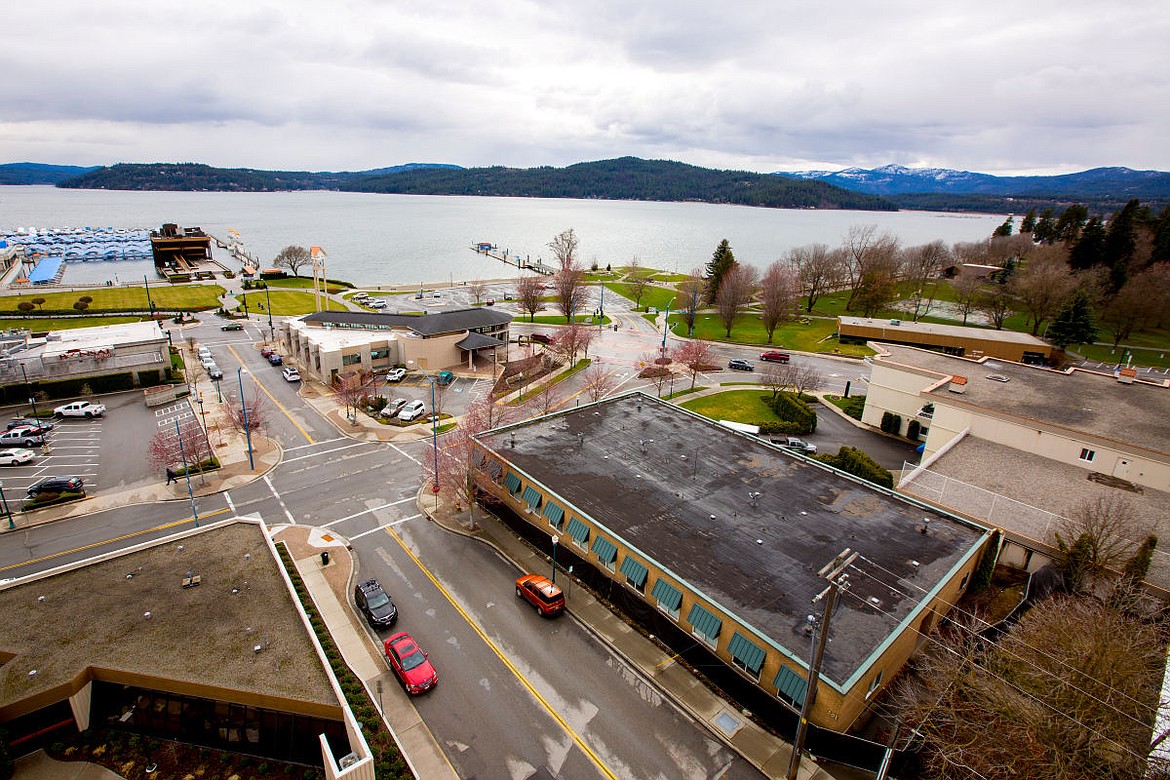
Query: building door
point(1121, 470)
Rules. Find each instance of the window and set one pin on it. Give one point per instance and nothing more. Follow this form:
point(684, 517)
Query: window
point(578, 531)
point(963, 584)
point(874, 684)
point(606, 552)
point(746, 655)
point(635, 574)
point(790, 686)
point(669, 597)
point(555, 515)
point(1087, 455)
point(349, 360)
point(533, 498)
point(704, 626)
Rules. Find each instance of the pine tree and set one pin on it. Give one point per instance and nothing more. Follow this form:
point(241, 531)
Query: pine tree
point(1045, 228)
point(721, 262)
point(1029, 223)
point(1121, 243)
point(1138, 566)
point(1074, 324)
point(1004, 230)
point(1089, 248)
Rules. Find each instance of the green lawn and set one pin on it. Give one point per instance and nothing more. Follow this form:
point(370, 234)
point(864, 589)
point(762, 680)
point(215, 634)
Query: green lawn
point(1141, 356)
point(669, 277)
point(653, 297)
point(302, 283)
point(165, 296)
point(816, 336)
point(286, 303)
point(558, 320)
point(65, 323)
point(742, 406)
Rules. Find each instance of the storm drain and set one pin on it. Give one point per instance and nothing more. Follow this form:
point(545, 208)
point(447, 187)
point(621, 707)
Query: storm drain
point(728, 723)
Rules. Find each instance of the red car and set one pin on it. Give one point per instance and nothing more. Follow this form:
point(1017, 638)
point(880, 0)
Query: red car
point(773, 356)
point(541, 593)
point(410, 664)
point(542, 338)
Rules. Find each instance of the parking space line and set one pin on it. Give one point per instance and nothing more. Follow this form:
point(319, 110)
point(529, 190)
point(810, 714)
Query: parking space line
point(386, 527)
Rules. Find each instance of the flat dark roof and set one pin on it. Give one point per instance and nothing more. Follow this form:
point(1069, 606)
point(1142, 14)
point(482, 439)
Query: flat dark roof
point(675, 487)
point(424, 324)
point(95, 616)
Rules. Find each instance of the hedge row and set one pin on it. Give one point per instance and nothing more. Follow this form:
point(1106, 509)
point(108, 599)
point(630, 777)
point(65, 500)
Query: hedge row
point(853, 461)
point(388, 761)
point(793, 410)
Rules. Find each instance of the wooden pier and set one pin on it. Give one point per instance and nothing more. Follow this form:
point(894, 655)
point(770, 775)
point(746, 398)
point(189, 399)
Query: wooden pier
point(493, 251)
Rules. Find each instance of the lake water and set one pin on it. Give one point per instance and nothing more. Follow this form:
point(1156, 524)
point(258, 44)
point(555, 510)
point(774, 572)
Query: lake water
point(413, 239)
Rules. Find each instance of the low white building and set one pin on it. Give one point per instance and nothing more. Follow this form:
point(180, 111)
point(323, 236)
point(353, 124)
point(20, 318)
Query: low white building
point(138, 350)
point(329, 344)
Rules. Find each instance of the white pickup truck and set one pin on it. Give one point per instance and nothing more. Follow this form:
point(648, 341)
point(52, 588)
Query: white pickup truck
point(80, 409)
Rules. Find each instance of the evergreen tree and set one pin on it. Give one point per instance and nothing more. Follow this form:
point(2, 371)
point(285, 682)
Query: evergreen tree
point(1089, 248)
point(1029, 223)
point(1161, 226)
point(1074, 323)
point(1121, 243)
point(721, 262)
point(1138, 566)
point(1045, 227)
point(1071, 222)
point(1004, 230)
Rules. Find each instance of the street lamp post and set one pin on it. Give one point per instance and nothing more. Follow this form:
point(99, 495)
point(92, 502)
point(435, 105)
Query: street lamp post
point(434, 430)
point(28, 389)
point(7, 511)
point(601, 309)
point(187, 473)
point(665, 328)
point(268, 298)
point(247, 428)
point(555, 540)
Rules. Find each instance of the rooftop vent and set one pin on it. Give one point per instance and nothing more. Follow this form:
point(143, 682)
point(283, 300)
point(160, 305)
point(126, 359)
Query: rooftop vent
point(1126, 376)
point(958, 384)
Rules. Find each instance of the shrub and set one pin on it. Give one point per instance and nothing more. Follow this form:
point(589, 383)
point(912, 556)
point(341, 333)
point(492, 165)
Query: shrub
point(1138, 566)
point(913, 428)
point(982, 578)
point(891, 423)
point(853, 461)
point(793, 410)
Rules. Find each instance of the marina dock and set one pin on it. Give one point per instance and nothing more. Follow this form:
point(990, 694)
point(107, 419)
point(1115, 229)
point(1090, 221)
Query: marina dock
point(493, 251)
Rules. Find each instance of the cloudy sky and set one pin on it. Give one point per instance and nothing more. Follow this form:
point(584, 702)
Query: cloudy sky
point(762, 85)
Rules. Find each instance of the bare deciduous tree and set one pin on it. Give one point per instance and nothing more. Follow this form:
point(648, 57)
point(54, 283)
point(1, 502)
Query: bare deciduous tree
point(570, 290)
point(564, 248)
point(171, 446)
point(650, 366)
point(807, 379)
point(573, 340)
point(544, 401)
point(478, 289)
point(529, 294)
point(638, 279)
point(778, 377)
point(350, 388)
point(1064, 695)
point(779, 296)
point(922, 266)
point(257, 412)
point(598, 382)
point(818, 268)
point(292, 257)
point(696, 355)
point(690, 298)
point(1107, 528)
point(457, 466)
point(996, 301)
point(1044, 283)
point(735, 292)
point(966, 289)
point(864, 249)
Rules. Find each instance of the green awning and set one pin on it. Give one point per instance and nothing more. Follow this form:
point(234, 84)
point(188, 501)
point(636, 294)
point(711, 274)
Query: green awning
point(554, 513)
point(512, 482)
point(532, 497)
point(791, 684)
point(634, 571)
point(747, 652)
point(704, 622)
point(605, 550)
point(668, 595)
point(578, 530)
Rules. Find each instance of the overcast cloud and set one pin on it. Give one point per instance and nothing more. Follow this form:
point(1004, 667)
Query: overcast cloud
point(998, 87)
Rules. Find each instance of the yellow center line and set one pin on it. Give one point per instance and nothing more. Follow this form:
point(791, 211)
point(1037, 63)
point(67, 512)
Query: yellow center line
point(264, 390)
point(130, 535)
point(499, 654)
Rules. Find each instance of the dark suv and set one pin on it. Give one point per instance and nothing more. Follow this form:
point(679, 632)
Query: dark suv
point(375, 604)
point(57, 485)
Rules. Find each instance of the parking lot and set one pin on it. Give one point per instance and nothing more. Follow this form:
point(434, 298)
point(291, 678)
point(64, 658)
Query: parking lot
point(108, 452)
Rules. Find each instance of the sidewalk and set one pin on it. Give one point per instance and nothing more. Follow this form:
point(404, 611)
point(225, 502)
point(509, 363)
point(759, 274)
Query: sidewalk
point(766, 752)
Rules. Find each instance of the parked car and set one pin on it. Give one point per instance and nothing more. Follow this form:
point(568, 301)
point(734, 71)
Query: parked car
point(396, 374)
point(22, 437)
point(797, 445)
point(291, 374)
point(15, 456)
point(57, 485)
point(214, 373)
point(772, 356)
point(542, 338)
point(361, 296)
point(437, 295)
point(741, 365)
point(378, 303)
point(266, 351)
point(491, 302)
point(204, 352)
point(375, 604)
point(394, 407)
point(275, 359)
point(445, 378)
point(232, 326)
point(80, 409)
point(30, 422)
point(412, 411)
point(541, 593)
point(410, 664)
point(207, 360)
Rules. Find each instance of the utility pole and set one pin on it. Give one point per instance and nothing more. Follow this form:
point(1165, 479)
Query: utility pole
point(834, 573)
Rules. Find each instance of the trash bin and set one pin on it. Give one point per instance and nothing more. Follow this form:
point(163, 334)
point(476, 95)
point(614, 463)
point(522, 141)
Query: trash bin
point(324, 557)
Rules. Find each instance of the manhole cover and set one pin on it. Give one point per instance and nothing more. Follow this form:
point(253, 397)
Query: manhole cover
point(727, 723)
